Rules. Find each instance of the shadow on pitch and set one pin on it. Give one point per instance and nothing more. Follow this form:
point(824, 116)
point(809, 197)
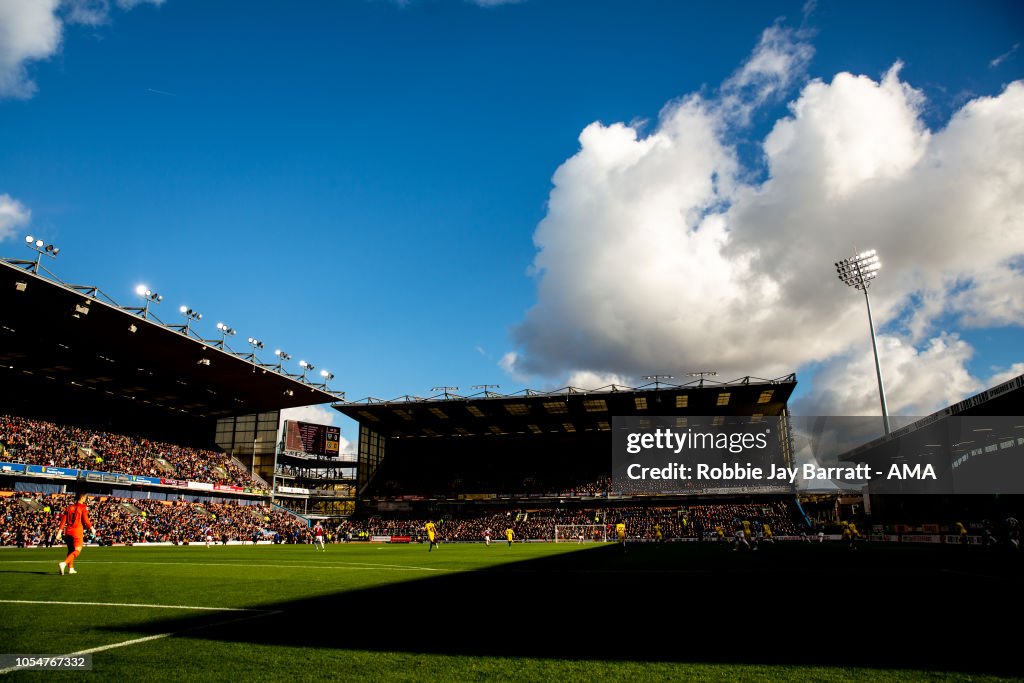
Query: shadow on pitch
point(921, 608)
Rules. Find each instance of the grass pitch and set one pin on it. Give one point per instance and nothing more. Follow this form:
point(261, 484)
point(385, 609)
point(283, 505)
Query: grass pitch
point(530, 612)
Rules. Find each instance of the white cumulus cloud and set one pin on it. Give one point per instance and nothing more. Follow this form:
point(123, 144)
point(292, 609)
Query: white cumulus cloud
point(779, 59)
point(88, 12)
point(29, 30)
point(918, 380)
point(1005, 375)
point(585, 379)
point(657, 256)
point(13, 215)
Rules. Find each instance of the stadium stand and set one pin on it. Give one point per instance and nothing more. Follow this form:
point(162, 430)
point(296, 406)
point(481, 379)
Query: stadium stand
point(445, 474)
point(29, 518)
point(38, 442)
point(690, 521)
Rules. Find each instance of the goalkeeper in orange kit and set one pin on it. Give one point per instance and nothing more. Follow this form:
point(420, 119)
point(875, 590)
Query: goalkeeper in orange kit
point(72, 526)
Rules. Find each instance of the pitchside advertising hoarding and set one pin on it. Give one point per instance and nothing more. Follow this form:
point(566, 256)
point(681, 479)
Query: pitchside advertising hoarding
point(315, 439)
point(729, 455)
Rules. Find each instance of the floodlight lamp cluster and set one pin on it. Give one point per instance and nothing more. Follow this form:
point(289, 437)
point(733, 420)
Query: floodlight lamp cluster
point(41, 246)
point(858, 271)
point(148, 294)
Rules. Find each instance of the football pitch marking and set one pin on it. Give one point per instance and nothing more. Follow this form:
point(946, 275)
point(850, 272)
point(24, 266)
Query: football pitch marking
point(96, 649)
point(145, 639)
point(130, 604)
point(342, 565)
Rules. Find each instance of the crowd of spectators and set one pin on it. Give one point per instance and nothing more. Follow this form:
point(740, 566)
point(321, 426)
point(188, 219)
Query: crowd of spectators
point(697, 521)
point(38, 442)
point(31, 518)
point(688, 521)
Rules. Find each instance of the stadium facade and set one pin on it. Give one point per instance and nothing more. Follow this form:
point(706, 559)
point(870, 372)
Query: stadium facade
point(976, 447)
point(71, 355)
point(449, 451)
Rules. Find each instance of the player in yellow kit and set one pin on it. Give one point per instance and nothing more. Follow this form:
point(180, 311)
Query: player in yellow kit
point(510, 535)
point(620, 535)
point(431, 535)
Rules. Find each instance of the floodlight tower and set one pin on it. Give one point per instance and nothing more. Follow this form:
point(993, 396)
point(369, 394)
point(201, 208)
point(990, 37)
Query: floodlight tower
point(858, 272)
point(445, 390)
point(149, 296)
point(255, 344)
point(225, 332)
point(190, 315)
point(40, 247)
point(487, 388)
point(702, 374)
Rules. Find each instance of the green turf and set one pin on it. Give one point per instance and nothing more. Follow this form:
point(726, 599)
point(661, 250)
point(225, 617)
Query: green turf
point(371, 612)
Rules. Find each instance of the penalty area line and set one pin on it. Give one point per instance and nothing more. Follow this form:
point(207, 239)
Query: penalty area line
point(158, 636)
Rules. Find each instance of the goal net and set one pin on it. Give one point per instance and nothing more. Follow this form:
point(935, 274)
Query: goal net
point(580, 533)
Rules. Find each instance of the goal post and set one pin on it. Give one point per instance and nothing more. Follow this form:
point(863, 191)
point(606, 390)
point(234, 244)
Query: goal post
point(581, 533)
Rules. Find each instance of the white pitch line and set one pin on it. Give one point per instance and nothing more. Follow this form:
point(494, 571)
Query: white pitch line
point(346, 565)
point(131, 604)
point(145, 639)
point(96, 649)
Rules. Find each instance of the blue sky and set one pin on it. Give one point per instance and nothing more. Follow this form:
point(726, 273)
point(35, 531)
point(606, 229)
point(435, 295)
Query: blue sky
point(360, 182)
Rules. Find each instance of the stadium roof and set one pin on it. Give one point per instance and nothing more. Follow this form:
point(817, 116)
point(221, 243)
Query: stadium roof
point(1002, 400)
point(566, 410)
point(71, 349)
